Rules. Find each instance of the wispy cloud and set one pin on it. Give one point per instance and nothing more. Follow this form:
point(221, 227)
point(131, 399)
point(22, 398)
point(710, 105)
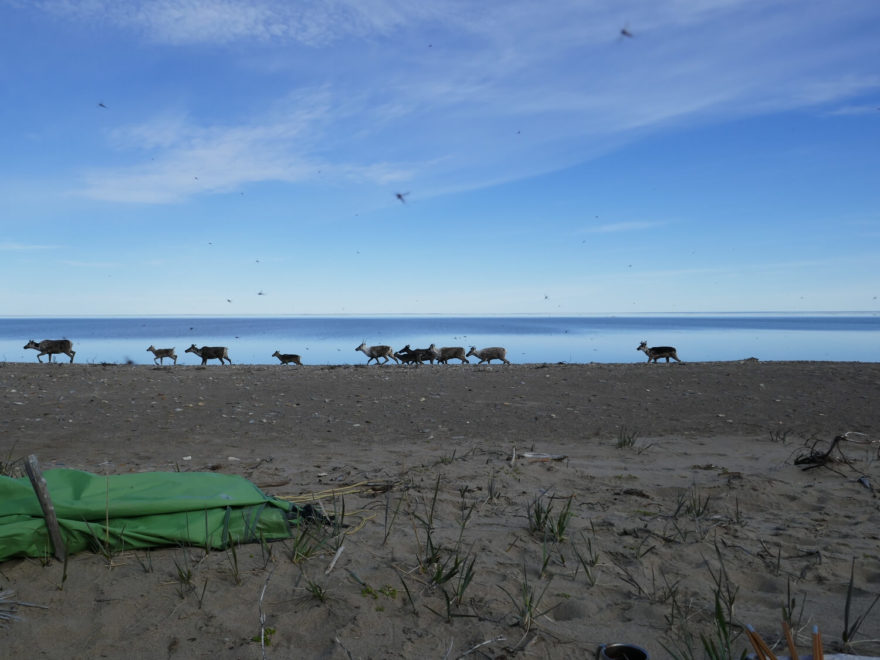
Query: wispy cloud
point(850, 110)
point(12, 246)
point(195, 161)
point(286, 143)
point(509, 90)
point(181, 22)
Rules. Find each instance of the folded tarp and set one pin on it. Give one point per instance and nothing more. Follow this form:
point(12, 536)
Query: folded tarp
point(127, 511)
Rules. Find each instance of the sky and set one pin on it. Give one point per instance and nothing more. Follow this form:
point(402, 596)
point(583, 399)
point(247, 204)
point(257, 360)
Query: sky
point(270, 157)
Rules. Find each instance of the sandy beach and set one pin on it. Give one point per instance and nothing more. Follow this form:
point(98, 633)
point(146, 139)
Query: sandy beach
point(488, 511)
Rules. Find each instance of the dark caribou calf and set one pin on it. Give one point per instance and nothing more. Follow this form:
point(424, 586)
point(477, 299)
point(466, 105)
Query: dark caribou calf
point(287, 358)
point(406, 355)
point(409, 355)
point(656, 352)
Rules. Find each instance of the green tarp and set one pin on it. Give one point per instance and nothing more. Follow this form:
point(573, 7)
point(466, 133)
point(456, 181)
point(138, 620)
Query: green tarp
point(127, 511)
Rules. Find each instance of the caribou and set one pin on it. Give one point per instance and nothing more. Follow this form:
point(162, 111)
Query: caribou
point(489, 354)
point(162, 353)
point(52, 346)
point(409, 355)
point(447, 353)
point(656, 352)
point(375, 352)
point(210, 353)
point(287, 358)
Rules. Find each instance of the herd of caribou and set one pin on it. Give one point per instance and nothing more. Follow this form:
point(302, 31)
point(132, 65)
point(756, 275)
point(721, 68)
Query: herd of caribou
point(406, 355)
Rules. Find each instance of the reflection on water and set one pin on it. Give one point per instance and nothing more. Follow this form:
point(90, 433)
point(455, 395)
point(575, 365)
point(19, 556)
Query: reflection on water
point(528, 339)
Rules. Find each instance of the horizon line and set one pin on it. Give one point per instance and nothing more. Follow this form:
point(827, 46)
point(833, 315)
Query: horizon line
point(451, 315)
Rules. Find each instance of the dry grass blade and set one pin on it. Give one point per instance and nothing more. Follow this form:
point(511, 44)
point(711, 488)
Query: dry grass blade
point(494, 640)
point(9, 607)
point(850, 630)
point(263, 614)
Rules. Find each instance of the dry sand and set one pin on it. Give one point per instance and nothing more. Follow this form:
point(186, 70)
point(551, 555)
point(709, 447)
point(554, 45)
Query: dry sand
point(708, 493)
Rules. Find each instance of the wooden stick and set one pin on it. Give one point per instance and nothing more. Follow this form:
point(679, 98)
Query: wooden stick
point(792, 649)
point(818, 654)
point(765, 648)
point(38, 481)
point(759, 654)
point(759, 643)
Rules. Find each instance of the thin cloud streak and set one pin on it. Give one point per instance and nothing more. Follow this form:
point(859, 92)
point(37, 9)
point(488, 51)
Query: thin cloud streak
point(851, 110)
point(12, 246)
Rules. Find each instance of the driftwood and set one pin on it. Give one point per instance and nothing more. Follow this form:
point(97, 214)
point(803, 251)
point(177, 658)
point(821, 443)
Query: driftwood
point(538, 456)
point(817, 458)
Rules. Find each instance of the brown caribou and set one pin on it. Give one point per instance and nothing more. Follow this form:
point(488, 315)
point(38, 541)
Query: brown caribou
point(52, 346)
point(210, 353)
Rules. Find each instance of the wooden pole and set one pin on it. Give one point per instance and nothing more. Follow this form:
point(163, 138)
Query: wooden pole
point(38, 481)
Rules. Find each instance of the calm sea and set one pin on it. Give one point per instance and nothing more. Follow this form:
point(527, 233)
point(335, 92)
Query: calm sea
point(332, 340)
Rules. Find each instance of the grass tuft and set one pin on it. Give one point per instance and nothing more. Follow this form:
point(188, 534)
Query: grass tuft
point(527, 601)
point(546, 525)
point(626, 439)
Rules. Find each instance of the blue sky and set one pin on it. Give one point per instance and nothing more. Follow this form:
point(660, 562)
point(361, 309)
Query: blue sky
point(218, 157)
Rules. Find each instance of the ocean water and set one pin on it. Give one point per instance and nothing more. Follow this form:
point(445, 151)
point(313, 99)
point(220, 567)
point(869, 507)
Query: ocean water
point(529, 339)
